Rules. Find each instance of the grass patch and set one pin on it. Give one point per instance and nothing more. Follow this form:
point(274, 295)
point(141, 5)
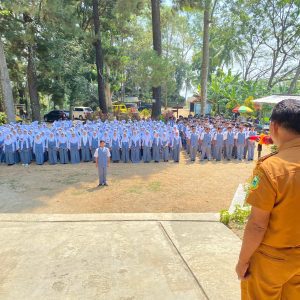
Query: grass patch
point(154, 186)
point(136, 189)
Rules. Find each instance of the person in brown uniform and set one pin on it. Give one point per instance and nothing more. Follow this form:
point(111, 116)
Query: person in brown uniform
point(269, 262)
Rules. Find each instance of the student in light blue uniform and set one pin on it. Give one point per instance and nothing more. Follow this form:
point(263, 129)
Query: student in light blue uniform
point(63, 149)
point(9, 149)
point(52, 149)
point(102, 155)
point(115, 147)
point(74, 146)
point(106, 138)
point(125, 145)
point(251, 144)
point(218, 144)
point(147, 145)
point(188, 139)
point(135, 147)
point(229, 142)
point(194, 144)
point(94, 143)
point(24, 148)
point(85, 147)
point(206, 139)
point(176, 146)
point(240, 138)
point(2, 155)
point(171, 137)
point(38, 150)
point(15, 139)
point(165, 144)
point(44, 140)
point(246, 131)
point(156, 146)
point(29, 135)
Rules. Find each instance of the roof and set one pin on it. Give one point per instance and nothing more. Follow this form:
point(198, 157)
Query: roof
point(131, 100)
point(274, 99)
point(194, 99)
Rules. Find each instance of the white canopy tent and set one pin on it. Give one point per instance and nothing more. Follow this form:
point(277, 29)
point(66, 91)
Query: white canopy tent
point(274, 99)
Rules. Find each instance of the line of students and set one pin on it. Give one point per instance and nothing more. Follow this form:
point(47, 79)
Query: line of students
point(65, 142)
point(218, 141)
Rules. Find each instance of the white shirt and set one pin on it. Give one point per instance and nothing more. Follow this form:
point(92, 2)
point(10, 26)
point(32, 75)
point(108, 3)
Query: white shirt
point(107, 152)
point(226, 134)
point(203, 133)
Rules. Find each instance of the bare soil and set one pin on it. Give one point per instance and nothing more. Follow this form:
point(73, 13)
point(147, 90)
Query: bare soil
point(133, 188)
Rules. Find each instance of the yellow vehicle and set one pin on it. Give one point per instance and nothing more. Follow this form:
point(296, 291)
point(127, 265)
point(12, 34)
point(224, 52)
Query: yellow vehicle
point(119, 108)
point(19, 119)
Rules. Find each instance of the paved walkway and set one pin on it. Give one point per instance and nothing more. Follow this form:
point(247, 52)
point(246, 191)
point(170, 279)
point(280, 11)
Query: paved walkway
point(117, 256)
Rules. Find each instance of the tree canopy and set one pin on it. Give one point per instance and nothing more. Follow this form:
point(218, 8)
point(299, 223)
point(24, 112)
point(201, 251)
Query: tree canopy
point(252, 49)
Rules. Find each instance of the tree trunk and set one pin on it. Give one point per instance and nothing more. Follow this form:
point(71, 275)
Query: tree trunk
point(295, 80)
point(156, 107)
point(32, 86)
point(99, 58)
point(205, 56)
point(108, 88)
point(6, 89)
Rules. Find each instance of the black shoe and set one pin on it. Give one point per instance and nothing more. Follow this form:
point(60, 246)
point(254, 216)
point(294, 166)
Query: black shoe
point(105, 184)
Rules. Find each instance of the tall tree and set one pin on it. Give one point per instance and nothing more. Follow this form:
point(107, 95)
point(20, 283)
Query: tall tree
point(205, 55)
point(99, 57)
point(6, 86)
point(32, 85)
point(293, 84)
point(208, 7)
point(155, 5)
point(31, 67)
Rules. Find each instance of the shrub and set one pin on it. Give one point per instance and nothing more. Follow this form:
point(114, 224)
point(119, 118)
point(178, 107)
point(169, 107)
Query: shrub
point(224, 216)
point(145, 113)
point(3, 118)
point(134, 116)
point(168, 114)
point(239, 216)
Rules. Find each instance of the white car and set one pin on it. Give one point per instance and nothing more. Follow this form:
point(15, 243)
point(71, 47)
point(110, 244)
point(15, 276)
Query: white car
point(81, 113)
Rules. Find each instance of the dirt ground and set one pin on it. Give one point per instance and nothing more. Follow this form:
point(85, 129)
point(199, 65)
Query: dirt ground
point(140, 188)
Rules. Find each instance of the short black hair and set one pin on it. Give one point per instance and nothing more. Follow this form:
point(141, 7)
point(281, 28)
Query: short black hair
point(101, 141)
point(287, 114)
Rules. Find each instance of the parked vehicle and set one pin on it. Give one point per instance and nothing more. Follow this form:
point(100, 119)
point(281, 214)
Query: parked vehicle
point(81, 113)
point(119, 108)
point(145, 106)
point(55, 115)
point(67, 112)
point(131, 107)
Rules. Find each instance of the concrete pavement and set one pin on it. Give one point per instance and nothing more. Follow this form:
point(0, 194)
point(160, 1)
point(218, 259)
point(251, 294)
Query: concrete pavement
point(117, 256)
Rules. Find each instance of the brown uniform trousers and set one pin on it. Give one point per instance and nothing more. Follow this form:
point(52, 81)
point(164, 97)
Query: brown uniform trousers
point(274, 274)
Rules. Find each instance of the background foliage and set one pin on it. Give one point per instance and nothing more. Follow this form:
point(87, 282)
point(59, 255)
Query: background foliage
point(254, 50)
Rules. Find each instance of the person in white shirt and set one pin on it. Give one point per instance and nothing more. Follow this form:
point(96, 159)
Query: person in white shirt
point(102, 155)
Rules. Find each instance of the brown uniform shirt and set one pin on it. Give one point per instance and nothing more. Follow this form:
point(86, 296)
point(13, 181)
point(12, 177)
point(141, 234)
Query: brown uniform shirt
point(276, 188)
